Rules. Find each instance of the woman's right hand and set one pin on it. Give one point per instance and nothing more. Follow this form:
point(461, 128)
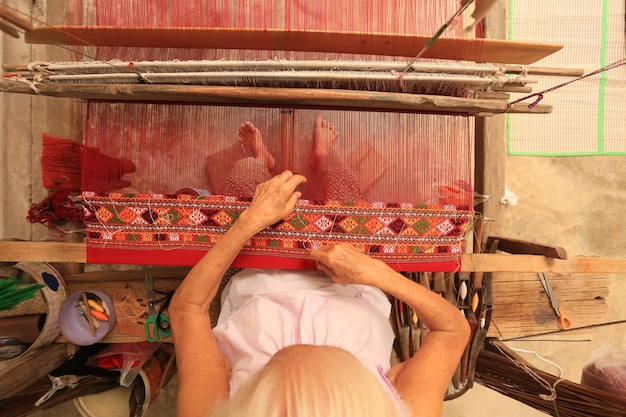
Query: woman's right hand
point(345, 264)
point(274, 200)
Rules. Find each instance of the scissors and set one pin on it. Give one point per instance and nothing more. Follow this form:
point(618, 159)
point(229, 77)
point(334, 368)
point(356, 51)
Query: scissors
point(564, 321)
point(157, 324)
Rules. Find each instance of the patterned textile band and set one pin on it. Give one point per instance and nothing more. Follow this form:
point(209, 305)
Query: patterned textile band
point(159, 229)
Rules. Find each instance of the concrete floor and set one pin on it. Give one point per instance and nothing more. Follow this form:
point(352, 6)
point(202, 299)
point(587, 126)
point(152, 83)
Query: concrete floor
point(574, 202)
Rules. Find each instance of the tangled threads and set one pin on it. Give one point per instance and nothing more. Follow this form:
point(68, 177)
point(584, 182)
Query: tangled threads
point(58, 208)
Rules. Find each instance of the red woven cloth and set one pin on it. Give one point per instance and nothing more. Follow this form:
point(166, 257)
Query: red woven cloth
point(159, 229)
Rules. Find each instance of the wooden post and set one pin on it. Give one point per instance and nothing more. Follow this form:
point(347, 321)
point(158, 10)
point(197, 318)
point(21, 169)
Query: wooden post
point(490, 144)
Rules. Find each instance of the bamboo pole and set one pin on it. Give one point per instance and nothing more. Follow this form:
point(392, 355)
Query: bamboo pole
point(557, 72)
point(276, 65)
point(10, 15)
point(8, 29)
point(222, 77)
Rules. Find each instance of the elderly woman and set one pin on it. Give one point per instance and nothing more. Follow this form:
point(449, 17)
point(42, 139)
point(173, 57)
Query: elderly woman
point(306, 343)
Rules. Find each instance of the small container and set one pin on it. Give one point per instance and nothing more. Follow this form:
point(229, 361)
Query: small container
point(76, 328)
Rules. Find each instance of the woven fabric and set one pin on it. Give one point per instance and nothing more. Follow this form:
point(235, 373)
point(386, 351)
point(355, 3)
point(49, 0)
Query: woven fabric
point(162, 229)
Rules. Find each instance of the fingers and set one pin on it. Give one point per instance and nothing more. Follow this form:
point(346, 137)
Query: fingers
point(285, 182)
point(321, 254)
point(321, 258)
point(325, 269)
point(286, 179)
point(294, 199)
point(291, 179)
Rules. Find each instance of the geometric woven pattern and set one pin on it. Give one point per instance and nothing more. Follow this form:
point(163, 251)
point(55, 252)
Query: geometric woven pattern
point(174, 230)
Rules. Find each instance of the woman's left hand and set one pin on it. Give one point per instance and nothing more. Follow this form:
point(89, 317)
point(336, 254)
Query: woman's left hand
point(275, 199)
point(345, 264)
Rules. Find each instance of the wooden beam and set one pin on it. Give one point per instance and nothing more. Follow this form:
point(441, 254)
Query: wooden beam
point(536, 263)
point(20, 251)
point(460, 49)
point(24, 251)
point(307, 98)
point(522, 307)
point(490, 144)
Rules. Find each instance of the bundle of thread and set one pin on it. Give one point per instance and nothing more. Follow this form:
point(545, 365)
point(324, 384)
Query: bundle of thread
point(58, 208)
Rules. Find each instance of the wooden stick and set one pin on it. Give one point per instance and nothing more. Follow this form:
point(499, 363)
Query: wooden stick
point(276, 65)
point(90, 319)
point(21, 251)
point(11, 15)
point(282, 77)
point(15, 67)
point(9, 30)
point(478, 50)
point(480, 11)
point(276, 97)
point(494, 96)
point(523, 108)
point(513, 89)
point(559, 72)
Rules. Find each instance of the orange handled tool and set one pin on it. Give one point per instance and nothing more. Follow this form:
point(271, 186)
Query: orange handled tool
point(564, 321)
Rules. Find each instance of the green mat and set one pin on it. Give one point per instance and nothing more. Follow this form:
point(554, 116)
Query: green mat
point(589, 116)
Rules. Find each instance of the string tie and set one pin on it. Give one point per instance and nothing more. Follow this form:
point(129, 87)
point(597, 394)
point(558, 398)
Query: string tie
point(539, 95)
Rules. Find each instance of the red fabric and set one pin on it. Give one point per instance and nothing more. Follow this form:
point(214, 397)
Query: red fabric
point(189, 257)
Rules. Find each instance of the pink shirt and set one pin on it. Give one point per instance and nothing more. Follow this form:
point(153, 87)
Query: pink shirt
point(265, 310)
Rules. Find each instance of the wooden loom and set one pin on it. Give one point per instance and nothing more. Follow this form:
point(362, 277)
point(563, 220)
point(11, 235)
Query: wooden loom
point(151, 90)
point(328, 41)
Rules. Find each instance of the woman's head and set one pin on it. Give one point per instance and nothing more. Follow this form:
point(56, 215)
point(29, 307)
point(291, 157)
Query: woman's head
point(311, 381)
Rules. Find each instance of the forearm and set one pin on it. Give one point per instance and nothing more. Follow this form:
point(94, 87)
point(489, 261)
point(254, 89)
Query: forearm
point(347, 265)
point(204, 371)
point(200, 286)
point(433, 310)
point(422, 380)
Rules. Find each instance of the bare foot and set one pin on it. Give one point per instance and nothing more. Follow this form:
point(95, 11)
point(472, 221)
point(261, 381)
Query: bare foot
point(324, 137)
point(250, 137)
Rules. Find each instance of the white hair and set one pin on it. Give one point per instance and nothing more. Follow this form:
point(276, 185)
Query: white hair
point(311, 381)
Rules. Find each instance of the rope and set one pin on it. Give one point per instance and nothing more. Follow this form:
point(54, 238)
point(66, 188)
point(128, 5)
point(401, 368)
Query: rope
point(541, 381)
point(540, 94)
